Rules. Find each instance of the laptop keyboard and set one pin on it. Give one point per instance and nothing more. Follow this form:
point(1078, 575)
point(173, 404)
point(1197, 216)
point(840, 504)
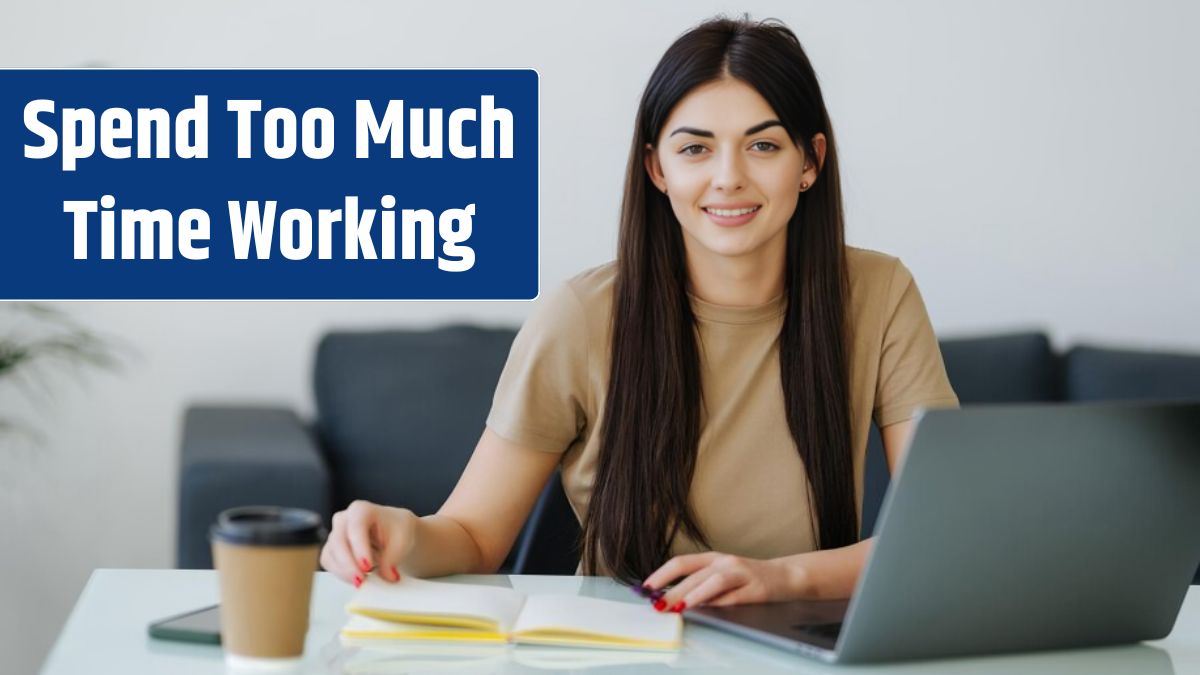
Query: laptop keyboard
point(826, 630)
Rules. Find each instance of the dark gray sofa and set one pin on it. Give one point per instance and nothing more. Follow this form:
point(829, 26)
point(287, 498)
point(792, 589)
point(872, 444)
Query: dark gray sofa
point(399, 412)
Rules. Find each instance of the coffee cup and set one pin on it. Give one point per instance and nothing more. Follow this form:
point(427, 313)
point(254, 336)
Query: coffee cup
point(265, 558)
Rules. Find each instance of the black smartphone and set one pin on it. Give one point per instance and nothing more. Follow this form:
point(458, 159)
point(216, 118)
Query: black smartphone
point(200, 625)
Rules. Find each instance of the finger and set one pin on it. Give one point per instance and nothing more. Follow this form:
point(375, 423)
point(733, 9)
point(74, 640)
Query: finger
point(360, 522)
point(329, 560)
point(681, 590)
point(326, 558)
point(737, 596)
point(337, 558)
point(343, 555)
point(389, 549)
point(716, 585)
point(680, 565)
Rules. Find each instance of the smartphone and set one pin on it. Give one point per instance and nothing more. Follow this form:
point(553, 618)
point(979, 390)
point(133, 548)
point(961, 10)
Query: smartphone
point(201, 625)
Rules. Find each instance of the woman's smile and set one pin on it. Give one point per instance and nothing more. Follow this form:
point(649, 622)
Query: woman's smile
point(731, 215)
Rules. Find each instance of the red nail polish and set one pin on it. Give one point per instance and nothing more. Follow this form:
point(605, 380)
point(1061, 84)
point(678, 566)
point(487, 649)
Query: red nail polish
point(679, 606)
point(365, 565)
point(660, 604)
point(395, 574)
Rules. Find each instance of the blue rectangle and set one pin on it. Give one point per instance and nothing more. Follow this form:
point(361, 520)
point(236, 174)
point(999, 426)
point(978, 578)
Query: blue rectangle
point(39, 239)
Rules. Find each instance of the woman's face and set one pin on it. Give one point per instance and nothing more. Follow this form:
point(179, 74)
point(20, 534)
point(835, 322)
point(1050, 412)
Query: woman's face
point(731, 172)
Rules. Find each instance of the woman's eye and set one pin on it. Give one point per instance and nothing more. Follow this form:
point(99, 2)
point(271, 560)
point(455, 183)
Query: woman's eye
point(765, 146)
point(691, 150)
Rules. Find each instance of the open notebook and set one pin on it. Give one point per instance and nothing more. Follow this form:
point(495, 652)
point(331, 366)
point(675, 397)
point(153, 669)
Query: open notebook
point(423, 657)
point(416, 609)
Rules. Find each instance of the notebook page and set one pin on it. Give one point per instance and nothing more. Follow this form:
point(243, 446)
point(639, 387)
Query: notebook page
point(420, 598)
point(363, 631)
point(623, 621)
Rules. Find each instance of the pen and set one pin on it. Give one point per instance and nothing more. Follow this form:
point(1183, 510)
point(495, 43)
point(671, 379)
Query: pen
point(644, 592)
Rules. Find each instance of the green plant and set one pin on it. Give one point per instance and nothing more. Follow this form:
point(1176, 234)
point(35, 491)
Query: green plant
point(34, 340)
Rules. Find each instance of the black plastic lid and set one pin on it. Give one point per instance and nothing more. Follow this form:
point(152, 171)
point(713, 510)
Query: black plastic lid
point(268, 526)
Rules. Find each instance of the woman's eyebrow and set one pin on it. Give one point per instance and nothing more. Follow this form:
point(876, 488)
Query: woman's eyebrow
point(693, 131)
point(708, 134)
point(763, 125)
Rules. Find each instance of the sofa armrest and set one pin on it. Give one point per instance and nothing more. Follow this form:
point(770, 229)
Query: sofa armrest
point(237, 456)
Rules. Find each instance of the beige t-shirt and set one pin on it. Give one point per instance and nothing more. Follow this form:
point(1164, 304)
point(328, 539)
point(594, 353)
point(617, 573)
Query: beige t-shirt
point(749, 491)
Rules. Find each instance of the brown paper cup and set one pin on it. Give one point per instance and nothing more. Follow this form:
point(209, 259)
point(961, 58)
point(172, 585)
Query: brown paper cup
point(265, 559)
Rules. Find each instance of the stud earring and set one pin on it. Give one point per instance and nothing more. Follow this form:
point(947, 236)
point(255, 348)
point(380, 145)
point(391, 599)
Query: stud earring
point(803, 187)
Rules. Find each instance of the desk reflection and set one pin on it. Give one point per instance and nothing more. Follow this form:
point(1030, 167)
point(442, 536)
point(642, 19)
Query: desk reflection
point(732, 655)
point(494, 659)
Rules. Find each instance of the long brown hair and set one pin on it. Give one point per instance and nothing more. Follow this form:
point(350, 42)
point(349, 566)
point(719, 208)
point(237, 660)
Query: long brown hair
point(652, 412)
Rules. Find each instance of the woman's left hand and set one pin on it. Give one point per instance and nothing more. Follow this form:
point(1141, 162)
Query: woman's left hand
point(721, 579)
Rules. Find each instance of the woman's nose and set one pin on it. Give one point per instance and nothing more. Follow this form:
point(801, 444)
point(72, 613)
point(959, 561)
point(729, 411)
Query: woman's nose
point(730, 175)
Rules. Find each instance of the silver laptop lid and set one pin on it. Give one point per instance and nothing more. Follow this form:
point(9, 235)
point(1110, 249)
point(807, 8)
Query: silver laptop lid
point(1023, 527)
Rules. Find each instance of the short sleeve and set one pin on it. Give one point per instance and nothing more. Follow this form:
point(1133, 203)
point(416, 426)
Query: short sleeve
point(540, 400)
point(911, 371)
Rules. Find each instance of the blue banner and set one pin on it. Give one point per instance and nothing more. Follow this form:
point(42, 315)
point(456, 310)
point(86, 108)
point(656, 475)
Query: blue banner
point(269, 184)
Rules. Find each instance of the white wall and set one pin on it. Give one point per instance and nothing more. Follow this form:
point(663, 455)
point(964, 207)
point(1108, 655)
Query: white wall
point(1034, 163)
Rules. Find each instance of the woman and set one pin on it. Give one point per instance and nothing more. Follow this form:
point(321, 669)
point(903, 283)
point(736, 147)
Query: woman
point(708, 395)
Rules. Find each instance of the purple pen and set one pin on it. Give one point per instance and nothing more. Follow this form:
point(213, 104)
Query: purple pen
point(646, 593)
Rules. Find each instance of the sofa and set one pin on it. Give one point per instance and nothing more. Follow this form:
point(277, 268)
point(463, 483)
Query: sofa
point(398, 413)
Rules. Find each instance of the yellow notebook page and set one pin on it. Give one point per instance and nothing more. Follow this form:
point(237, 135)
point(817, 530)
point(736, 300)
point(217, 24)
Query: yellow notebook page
point(575, 620)
point(430, 603)
point(367, 629)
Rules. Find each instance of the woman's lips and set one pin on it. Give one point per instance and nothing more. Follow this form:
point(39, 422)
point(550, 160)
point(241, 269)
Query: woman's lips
point(731, 217)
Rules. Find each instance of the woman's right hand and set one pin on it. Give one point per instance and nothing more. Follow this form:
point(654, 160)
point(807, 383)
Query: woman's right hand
point(368, 537)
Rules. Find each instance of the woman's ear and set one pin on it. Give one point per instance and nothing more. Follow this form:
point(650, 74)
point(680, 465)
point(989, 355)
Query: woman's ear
point(818, 142)
point(811, 170)
point(654, 169)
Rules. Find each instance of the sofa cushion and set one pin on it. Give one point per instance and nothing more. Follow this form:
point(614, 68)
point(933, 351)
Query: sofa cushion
point(1095, 373)
point(399, 412)
point(237, 455)
point(1002, 369)
point(1100, 374)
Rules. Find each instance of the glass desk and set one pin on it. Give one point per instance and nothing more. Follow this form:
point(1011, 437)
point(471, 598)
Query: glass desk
point(106, 633)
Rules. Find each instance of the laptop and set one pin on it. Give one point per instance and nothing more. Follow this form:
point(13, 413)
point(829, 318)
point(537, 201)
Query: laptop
point(1014, 528)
